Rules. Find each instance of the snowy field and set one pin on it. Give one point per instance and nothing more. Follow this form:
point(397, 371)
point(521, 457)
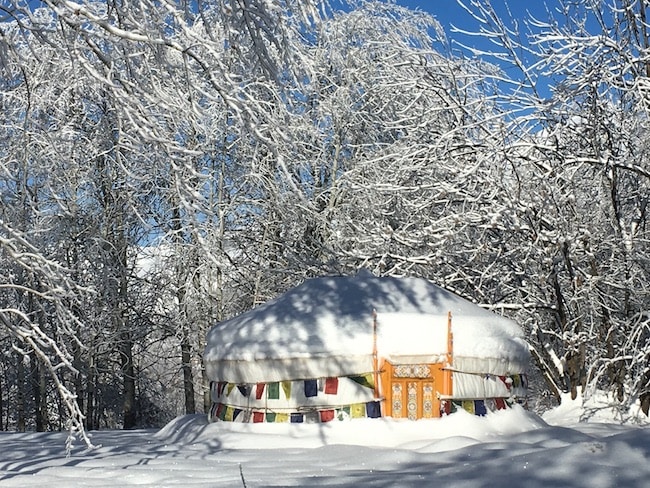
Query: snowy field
point(508, 448)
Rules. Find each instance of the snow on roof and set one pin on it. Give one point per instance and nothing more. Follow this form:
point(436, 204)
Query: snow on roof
point(333, 317)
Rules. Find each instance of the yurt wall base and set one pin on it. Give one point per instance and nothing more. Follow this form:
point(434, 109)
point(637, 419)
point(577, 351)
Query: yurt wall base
point(298, 401)
point(478, 407)
point(230, 413)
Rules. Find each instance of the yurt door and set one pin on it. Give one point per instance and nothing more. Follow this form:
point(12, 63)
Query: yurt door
point(410, 391)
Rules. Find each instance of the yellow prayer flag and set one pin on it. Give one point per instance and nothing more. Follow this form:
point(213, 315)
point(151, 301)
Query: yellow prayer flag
point(468, 405)
point(358, 410)
point(286, 388)
point(229, 413)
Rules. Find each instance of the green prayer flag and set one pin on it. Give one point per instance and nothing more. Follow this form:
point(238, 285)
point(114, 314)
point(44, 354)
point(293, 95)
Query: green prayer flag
point(366, 380)
point(273, 391)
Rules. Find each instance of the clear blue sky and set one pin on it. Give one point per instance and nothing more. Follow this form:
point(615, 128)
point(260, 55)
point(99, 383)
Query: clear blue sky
point(449, 12)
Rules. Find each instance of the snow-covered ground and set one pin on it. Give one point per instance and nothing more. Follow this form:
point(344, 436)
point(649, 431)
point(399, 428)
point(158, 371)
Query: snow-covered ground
point(507, 448)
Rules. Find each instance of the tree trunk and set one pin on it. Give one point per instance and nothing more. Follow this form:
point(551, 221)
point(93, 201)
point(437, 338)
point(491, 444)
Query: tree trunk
point(128, 381)
point(2, 427)
point(92, 422)
point(186, 347)
point(78, 380)
point(645, 403)
point(207, 398)
point(20, 394)
point(188, 375)
point(40, 400)
point(575, 363)
point(547, 374)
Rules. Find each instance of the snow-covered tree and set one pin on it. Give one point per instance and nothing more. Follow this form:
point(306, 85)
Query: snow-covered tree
point(125, 115)
point(582, 182)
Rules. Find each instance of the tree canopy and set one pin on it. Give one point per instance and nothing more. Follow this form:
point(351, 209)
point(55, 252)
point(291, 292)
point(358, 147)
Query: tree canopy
point(166, 165)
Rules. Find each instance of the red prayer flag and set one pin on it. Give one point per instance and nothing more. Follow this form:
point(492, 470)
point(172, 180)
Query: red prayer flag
point(506, 381)
point(326, 415)
point(331, 386)
point(258, 417)
point(259, 390)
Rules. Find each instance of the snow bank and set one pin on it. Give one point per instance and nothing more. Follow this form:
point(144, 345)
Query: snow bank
point(506, 448)
point(599, 407)
point(424, 434)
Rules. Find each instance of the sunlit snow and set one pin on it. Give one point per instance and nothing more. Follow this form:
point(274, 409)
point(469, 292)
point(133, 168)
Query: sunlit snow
point(506, 448)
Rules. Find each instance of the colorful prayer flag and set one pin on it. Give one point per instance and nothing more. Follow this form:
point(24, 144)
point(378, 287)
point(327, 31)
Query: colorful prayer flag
point(373, 410)
point(286, 388)
point(221, 412)
point(366, 380)
point(273, 391)
point(343, 413)
point(311, 388)
point(490, 404)
point(312, 417)
point(445, 407)
point(259, 390)
point(281, 417)
point(479, 408)
point(245, 390)
point(468, 405)
point(506, 381)
point(358, 410)
point(213, 411)
point(297, 418)
point(326, 415)
point(229, 414)
point(258, 417)
point(331, 386)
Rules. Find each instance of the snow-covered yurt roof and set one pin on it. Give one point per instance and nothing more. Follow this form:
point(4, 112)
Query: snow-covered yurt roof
point(324, 327)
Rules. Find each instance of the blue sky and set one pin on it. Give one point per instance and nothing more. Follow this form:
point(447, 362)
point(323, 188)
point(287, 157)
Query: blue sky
point(449, 12)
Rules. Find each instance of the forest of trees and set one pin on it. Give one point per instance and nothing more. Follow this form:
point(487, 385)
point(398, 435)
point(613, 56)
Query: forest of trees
point(168, 164)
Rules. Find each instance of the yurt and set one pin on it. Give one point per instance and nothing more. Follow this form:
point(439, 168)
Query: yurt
point(364, 346)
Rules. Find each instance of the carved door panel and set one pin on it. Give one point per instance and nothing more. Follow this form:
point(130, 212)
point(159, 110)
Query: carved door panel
point(411, 393)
